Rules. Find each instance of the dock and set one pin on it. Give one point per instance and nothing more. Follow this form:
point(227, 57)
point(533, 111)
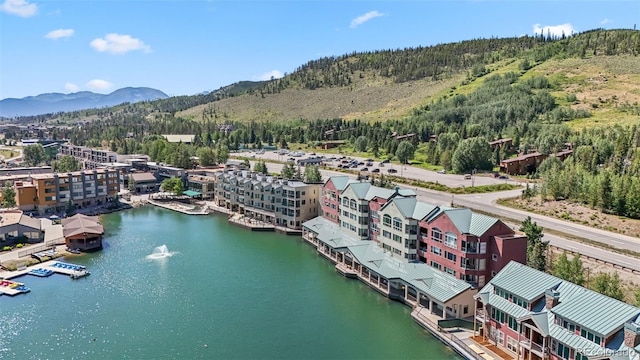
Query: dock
point(251, 224)
point(12, 288)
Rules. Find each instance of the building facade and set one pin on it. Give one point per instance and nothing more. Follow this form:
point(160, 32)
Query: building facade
point(90, 158)
point(534, 316)
point(470, 246)
point(51, 193)
point(281, 202)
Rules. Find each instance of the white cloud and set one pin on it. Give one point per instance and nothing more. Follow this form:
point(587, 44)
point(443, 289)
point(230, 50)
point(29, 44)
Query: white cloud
point(19, 7)
point(118, 44)
point(59, 33)
point(605, 21)
point(99, 84)
point(71, 87)
point(554, 30)
point(276, 74)
point(364, 18)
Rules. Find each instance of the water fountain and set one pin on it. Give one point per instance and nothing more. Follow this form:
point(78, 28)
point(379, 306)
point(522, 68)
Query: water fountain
point(160, 252)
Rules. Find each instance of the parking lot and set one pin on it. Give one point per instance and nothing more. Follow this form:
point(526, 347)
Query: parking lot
point(370, 166)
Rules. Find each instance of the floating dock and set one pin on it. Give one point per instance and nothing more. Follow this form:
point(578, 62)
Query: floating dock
point(74, 271)
point(12, 288)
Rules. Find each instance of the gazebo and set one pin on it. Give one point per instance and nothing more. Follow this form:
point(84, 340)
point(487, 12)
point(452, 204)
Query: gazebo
point(82, 232)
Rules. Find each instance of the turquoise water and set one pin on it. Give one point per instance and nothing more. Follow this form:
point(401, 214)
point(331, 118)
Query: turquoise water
point(226, 293)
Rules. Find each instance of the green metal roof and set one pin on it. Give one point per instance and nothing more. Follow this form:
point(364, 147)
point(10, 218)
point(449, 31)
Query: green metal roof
point(191, 193)
point(541, 320)
point(341, 182)
point(507, 306)
point(524, 282)
point(434, 283)
point(330, 234)
point(359, 189)
point(412, 208)
point(572, 340)
point(468, 222)
point(598, 313)
point(586, 308)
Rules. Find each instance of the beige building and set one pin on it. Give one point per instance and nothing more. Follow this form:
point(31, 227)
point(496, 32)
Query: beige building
point(281, 202)
point(88, 157)
point(51, 193)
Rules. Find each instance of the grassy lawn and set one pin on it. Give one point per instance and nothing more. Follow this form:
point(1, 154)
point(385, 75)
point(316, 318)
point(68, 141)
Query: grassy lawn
point(8, 153)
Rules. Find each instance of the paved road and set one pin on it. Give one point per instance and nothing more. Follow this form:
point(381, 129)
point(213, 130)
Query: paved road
point(486, 203)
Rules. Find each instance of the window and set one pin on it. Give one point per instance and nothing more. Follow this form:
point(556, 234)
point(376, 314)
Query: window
point(397, 238)
point(512, 344)
point(436, 265)
point(352, 204)
point(563, 351)
point(513, 324)
point(465, 310)
point(436, 250)
point(497, 315)
point(397, 224)
point(386, 234)
point(345, 201)
point(450, 271)
point(436, 235)
point(450, 240)
point(450, 256)
point(386, 220)
point(397, 252)
point(494, 257)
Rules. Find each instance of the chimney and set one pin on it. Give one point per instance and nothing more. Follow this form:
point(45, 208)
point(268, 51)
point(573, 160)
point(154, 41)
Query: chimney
point(551, 297)
point(631, 334)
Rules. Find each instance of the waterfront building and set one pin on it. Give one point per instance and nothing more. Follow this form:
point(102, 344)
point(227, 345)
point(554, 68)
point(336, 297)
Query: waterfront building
point(467, 245)
point(82, 232)
point(281, 202)
point(50, 193)
point(14, 225)
point(203, 184)
point(142, 182)
point(354, 201)
point(329, 201)
point(533, 315)
point(413, 284)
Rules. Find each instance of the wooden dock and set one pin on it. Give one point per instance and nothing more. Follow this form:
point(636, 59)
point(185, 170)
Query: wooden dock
point(251, 224)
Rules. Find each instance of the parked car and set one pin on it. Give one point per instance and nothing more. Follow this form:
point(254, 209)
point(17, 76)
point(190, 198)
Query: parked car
point(443, 171)
point(385, 161)
point(504, 177)
point(364, 169)
point(392, 171)
point(375, 171)
point(467, 176)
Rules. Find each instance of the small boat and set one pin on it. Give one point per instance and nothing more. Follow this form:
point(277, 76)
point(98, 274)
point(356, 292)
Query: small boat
point(73, 251)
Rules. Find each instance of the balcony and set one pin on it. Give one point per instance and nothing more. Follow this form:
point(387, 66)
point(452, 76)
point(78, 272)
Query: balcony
point(534, 347)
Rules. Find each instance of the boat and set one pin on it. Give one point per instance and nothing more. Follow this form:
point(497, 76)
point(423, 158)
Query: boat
point(73, 251)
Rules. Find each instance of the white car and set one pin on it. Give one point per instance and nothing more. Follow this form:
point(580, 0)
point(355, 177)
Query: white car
point(443, 171)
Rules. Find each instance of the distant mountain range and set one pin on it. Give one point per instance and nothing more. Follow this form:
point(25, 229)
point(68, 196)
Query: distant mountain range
point(57, 102)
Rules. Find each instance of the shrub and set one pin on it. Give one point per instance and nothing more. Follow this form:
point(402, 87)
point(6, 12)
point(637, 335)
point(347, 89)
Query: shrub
point(6, 248)
point(19, 246)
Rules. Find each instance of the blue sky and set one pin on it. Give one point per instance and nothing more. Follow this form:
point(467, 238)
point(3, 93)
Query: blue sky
point(186, 47)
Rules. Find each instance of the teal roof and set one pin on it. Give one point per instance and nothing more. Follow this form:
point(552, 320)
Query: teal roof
point(330, 234)
point(412, 208)
point(341, 182)
point(585, 307)
point(191, 193)
point(359, 189)
point(588, 309)
point(510, 278)
point(468, 222)
point(541, 319)
point(434, 283)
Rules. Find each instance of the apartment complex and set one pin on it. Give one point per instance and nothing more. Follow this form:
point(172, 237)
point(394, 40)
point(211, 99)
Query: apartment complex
point(533, 315)
point(414, 284)
point(277, 201)
point(51, 193)
point(469, 246)
point(88, 157)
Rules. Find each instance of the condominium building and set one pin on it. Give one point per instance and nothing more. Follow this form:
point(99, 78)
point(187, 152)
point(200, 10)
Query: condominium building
point(533, 315)
point(89, 157)
point(471, 247)
point(50, 193)
point(281, 202)
point(354, 215)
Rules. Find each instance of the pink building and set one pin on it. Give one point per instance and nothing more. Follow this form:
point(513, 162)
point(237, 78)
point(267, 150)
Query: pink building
point(330, 196)
point(470, 246)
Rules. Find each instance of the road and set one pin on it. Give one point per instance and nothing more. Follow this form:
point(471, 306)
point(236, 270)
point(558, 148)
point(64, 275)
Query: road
point(486, 203)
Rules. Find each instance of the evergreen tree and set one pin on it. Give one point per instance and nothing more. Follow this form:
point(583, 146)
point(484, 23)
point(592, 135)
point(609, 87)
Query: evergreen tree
point(609, 285)
point(312, 174)
point(536, 248)
point(288, 170)
point(8, 195)
point(572, 270)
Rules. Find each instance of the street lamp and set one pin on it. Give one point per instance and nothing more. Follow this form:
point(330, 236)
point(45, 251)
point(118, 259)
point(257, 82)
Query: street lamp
point(473, 177)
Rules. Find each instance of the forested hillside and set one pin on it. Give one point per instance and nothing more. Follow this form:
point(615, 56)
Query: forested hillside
point(450, 100)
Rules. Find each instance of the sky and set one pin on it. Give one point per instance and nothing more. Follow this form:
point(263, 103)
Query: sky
point(185, 47)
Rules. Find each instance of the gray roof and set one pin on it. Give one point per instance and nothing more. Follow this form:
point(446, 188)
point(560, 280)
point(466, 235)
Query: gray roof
point(541, 319)
point(412, 208)
point(468, 222)
point(434, 283)
point(598, 313)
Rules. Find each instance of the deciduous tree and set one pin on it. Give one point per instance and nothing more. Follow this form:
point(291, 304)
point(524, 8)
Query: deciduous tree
point(607, 284)
point(405, 151)
point(312, 174)
point(34, 155)
point(472, 153)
